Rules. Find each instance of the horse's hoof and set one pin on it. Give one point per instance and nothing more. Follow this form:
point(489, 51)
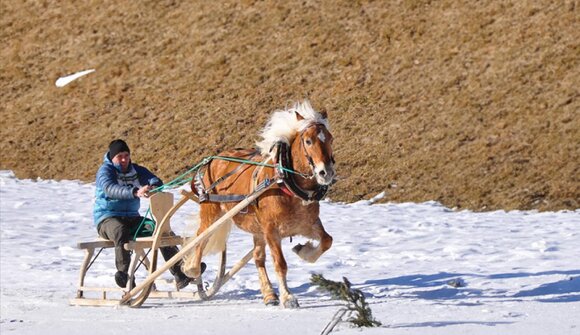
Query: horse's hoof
point(297, 248)
point(291, 303)
point(271, 299)
point(273, 302)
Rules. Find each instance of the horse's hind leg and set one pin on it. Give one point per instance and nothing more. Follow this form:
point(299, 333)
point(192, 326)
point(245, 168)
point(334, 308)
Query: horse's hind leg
point(274, 242)
point(270, 297)
point(309, 252)
point(208, 213)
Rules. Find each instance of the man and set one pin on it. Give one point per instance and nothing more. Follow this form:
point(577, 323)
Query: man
point(119, 186)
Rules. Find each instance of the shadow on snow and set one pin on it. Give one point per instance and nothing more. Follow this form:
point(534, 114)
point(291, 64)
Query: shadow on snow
point(447, 323)
point(567, 290)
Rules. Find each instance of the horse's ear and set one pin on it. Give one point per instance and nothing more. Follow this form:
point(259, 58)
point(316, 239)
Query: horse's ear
point(298, 116)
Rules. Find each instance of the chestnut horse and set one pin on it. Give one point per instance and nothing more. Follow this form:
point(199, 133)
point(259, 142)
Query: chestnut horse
point(297, 139)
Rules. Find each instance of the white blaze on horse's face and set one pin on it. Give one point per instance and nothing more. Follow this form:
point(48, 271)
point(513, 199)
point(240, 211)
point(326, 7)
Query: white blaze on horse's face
point(318, 145)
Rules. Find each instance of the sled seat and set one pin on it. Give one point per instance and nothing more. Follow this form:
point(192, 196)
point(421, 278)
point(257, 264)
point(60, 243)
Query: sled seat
point(160, 204)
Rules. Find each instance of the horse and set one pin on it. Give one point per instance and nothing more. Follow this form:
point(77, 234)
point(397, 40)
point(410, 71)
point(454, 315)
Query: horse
point(295, 150)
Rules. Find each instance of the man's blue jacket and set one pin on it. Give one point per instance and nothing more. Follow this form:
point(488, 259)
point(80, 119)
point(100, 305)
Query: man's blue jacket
point(115, 190)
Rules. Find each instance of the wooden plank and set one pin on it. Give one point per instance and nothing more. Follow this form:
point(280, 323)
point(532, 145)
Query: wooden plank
point(100, 289)
point(93, 302)
point(142, 242)
point(154, 295)
point(190, 195)
point(173, 295)
point(237, 267)
point(160, 203)
point(98, 243)
point(221, 280)
point(83, 272)
point(160, 281)
point(147, 242)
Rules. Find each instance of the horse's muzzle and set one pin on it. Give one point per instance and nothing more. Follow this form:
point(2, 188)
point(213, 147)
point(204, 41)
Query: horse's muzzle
point(324, 175)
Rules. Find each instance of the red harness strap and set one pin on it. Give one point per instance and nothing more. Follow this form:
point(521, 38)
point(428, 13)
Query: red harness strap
point(286, 191)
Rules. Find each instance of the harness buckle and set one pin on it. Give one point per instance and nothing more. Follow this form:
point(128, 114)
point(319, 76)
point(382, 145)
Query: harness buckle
point(202, 196)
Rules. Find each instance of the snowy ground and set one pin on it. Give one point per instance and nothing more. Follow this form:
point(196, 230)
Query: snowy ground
point(521, 271)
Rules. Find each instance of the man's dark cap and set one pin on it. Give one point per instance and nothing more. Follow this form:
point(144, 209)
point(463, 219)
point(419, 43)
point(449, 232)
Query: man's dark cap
point(117, 146)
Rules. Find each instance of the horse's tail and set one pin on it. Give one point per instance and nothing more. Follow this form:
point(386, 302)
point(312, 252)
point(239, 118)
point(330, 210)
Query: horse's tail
point(217, 241)
point(215, 244)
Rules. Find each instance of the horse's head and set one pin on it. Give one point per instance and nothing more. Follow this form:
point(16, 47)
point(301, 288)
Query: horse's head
point(316, 145)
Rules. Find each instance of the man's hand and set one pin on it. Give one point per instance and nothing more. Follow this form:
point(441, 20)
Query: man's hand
point(143, 192)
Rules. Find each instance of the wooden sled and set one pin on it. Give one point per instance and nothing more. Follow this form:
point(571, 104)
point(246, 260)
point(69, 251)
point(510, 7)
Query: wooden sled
point(163, 209)
point(161, 203)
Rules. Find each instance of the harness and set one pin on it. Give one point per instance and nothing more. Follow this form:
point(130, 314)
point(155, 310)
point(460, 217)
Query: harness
point(203, 192)
point(285, 179)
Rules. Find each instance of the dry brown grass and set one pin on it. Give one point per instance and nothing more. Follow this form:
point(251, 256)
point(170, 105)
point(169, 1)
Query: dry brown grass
point(475, 104)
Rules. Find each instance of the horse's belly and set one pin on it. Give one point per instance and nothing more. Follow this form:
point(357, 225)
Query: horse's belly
point(248, 223)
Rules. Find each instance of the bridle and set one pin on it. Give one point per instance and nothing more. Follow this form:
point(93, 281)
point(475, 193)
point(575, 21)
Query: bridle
point(288, 180)
point(303, 147)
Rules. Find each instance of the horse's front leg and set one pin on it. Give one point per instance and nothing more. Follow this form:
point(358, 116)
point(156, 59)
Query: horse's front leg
point(308, 251)
point(274, 242)
point(270, 297)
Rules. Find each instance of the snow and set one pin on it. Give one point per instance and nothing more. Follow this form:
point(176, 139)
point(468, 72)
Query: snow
point(424, 268)
point(63, 81)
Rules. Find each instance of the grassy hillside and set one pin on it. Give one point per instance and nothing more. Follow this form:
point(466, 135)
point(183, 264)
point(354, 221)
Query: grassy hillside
point(474, 104)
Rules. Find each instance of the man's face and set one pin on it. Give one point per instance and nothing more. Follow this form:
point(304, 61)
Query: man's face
point(122, 158)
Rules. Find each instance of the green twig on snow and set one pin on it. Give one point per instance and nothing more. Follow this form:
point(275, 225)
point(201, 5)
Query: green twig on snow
point(355, 299)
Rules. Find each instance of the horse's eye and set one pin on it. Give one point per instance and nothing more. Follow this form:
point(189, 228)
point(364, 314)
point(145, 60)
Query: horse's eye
point(308, 142)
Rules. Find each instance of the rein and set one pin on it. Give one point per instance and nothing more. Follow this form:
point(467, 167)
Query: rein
point(203, 193)
point(284, 168)
point(183, 179)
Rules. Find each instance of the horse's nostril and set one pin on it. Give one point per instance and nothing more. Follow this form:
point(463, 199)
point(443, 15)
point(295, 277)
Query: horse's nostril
point(322, 173)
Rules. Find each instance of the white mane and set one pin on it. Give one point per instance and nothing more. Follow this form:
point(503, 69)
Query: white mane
point(283, 125)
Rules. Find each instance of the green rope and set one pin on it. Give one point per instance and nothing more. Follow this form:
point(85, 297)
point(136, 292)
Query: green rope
point(181, 179)
point(143, 222)
point(237, 160)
